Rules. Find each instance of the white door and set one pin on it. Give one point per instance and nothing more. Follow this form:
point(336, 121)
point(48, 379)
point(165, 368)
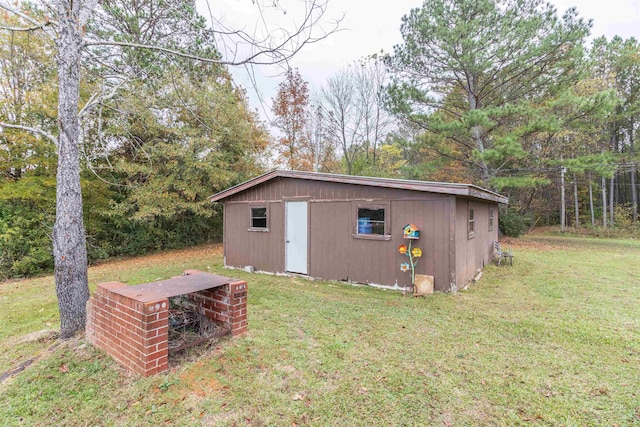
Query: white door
point(296, 237)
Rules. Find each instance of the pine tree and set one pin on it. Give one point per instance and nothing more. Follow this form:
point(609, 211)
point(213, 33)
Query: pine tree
point(478, 75)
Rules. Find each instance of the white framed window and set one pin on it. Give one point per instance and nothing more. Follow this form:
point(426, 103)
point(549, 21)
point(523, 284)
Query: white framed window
point(371, 221)
point(490, 218)
point(259, 218)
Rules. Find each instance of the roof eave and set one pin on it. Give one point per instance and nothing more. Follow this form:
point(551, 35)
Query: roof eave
point(481, 193)
point(243, 186)
point(433, 187)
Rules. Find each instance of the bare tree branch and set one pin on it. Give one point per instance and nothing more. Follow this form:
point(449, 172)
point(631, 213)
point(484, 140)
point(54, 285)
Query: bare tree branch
point(234, 40)
point(159, 49)
point(36, 25)
point(277, 47)
point(99, 97)
point(278, 55)
point(32, 28)
point(30, 129)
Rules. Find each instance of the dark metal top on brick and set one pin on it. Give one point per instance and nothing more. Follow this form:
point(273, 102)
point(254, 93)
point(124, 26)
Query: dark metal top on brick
point(467, 190)
point(181, 285)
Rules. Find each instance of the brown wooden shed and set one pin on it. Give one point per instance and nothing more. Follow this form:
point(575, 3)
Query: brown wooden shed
point(349, 228)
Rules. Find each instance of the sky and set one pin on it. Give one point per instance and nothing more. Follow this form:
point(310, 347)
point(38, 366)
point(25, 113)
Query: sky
point(366, 27)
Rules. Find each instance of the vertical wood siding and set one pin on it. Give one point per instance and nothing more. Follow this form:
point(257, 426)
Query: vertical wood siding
point(334, 253)
point(476, 252)
point(262, 249)
point(279, 189)
point(329, 237)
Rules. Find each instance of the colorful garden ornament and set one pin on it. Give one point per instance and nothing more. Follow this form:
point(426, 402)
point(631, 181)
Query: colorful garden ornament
point(410, 232)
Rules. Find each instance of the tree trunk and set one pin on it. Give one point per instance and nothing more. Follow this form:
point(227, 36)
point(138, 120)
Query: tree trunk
point(69, 245)
point(614, 149)
point(634, 192)
point(604, 202)
point(621, 184)
point(576, 206)
point(345, 147)
point(476, 131)
point(611, 201)
point(593, 215)
point(562, 200)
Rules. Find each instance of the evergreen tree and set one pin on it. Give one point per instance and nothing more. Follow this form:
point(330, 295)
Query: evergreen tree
point(478, 76)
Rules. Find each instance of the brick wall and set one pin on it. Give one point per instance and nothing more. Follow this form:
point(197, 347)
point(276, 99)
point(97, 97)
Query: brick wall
point(134, 331)
point(226, 305)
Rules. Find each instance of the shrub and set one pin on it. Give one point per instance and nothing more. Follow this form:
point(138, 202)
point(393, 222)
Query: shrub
point(623, 218)
point(512, 222)
point(25, 245)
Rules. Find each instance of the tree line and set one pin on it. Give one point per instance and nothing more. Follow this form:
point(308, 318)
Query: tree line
point(510, 96)
point(193, 131)
point(164, 133)
point(118, 119)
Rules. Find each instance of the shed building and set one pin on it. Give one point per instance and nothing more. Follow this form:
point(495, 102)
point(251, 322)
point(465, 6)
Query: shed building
point(349, 228)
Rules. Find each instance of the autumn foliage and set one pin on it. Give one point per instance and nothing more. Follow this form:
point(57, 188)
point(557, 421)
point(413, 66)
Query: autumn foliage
point(291, 110)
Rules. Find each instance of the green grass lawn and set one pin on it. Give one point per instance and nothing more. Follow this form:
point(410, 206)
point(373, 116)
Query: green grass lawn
point(553, 340)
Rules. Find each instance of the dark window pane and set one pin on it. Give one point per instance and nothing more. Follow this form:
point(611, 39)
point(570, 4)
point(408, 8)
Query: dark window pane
point(371, 221)
point(259, 212)
point(259, 222)
point(377, 228)
point(259, 217)
point(471, 222)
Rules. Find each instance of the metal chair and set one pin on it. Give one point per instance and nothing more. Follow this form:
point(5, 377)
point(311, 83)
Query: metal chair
point(500, 254)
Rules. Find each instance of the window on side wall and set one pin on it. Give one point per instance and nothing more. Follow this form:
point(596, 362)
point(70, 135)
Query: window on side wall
point(371, 221)
point(490, 218)
point(259, 218)
point(472, 223)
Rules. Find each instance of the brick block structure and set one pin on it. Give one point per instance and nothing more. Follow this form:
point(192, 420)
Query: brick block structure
point(226, 305)
point(130, 323)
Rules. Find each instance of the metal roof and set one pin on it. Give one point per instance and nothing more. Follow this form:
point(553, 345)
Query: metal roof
point(181, 285)
point(467, 190)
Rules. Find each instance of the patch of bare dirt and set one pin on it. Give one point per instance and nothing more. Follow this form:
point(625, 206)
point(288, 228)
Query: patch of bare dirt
point(40, 336)
point(199, 383)
point(37, 336)
point(160, 258)
point(543, 230)
point(559, 243)
point(544, 245)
